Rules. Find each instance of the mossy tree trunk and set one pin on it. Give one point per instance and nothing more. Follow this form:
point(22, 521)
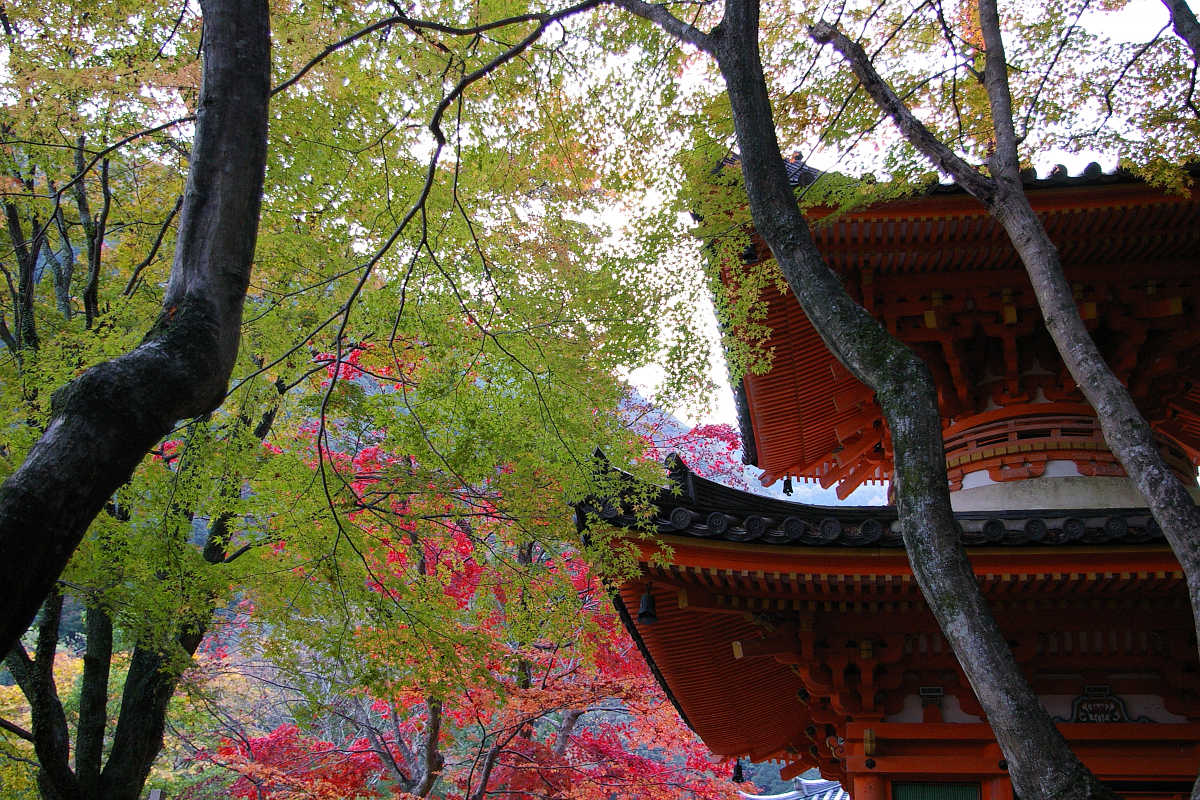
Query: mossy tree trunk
point(1040, 762)
point(1125, 430)
point(104, 421)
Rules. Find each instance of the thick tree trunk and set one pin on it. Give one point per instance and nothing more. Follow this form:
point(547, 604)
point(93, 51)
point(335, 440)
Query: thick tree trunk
point(1042, 764)
point(1185, 24)
point(1125, 430)
point(105, 421)
point(150, 683)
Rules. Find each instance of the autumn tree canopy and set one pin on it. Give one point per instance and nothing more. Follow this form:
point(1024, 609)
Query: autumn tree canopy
point(472, 227)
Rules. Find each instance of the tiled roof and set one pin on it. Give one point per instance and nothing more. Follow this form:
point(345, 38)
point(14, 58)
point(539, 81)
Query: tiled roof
point(941, 253)
point(806, 790)
point(702, 508)
point(801, 174)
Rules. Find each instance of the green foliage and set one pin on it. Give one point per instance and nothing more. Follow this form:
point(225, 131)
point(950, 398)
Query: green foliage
point(438, 324)
point(469, 315)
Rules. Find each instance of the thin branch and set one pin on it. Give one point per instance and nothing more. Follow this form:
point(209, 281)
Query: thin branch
point(229, 559)
point(660, 16)
point(912, 128)
point(174, 29)
point(417, 207)
point(99, 156)
point(7, 337)
point(416, 25)
point(1062, 45)
point(17, 729)
point(162, 232)
point(1112, 87)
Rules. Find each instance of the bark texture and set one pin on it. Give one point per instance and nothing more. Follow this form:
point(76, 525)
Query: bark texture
point(1125, 430)
point(1040, 762)
point(1185, 24)
point(104, 421)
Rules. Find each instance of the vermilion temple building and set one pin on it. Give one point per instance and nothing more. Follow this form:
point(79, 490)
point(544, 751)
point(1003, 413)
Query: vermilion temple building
point(791, 632)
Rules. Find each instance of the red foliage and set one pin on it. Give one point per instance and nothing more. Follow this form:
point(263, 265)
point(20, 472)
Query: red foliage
point(284, 765)
point(572, 713)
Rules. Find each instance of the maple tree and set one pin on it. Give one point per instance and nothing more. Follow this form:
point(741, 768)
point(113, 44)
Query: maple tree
point(534, 689)
point(581, 718)
point(472, 348)
point(437, 314)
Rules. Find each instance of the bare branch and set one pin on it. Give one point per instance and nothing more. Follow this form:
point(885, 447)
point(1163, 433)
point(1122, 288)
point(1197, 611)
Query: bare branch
point(416, 25)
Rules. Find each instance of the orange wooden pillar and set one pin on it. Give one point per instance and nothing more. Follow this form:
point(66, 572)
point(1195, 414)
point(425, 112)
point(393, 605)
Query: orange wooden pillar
point(998, 788)
point(869, 787)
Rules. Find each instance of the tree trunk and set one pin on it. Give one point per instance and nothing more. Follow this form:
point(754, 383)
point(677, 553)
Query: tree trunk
point(51, 736)
point(26, 253)
point(106, 420)
point(1041, 763)
point(138, 737)
point(1185, 24)
point(93, 700)
point(1125, 430)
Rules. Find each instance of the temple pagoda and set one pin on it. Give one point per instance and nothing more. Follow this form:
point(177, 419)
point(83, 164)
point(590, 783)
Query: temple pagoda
point(792, 632)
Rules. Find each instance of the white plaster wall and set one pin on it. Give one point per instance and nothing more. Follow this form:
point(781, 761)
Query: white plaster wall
point(1138, 705)
point(1052, 490)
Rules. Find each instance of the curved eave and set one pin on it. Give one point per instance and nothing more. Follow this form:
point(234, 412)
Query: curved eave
point(735, 558)
point(627, 621)
point(710, 586)
point(800, 415)
point(696, 508)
